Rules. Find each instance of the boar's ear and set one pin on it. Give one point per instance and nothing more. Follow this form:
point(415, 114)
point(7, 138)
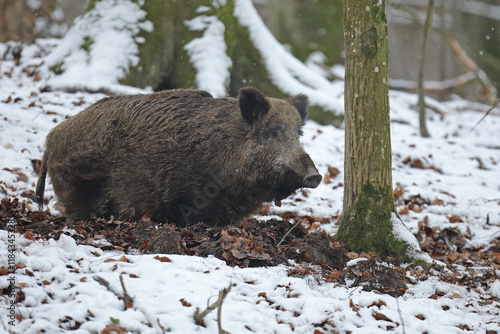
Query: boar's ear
point(253, 104)
point(300, 103)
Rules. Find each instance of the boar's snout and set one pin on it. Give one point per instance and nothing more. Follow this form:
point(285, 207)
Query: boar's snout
point(312, 180)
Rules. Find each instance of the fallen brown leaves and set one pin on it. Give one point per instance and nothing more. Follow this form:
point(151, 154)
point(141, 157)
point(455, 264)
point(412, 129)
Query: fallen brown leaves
point(162, 258)
point(450, 245)
point(249, 243)
point(113, 329)
point(375, 275)
point(420, 164)
point(332, 174)
point(472, 267)
point(266, 243)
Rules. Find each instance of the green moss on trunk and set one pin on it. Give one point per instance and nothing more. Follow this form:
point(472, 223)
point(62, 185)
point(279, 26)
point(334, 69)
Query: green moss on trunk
point(368, 227)
point(90, 5)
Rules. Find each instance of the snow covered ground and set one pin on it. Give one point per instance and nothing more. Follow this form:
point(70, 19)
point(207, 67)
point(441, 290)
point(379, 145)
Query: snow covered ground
point(449, 180)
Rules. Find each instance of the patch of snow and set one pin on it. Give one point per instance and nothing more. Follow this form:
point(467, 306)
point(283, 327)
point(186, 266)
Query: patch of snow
point(261, 300)
point(287, 72)
point(34, 4)
point(495, 288)
point(99, 48)
point(355, 261)
point(402, 233)
point(208, 55)
point(58, 281)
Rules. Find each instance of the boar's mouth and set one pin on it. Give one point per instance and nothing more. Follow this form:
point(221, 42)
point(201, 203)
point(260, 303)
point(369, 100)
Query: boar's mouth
point(283, 193)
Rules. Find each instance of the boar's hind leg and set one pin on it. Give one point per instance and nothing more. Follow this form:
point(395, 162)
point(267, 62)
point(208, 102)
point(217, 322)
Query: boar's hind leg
point(40, 186)
point(79, 183)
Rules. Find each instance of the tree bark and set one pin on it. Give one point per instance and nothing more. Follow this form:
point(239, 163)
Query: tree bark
point(165, 64)
point(4, 29)
point(368, 201)
point(421, 91)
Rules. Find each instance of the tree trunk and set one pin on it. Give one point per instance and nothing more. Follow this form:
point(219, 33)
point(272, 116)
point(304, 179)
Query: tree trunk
point(4, 29)
point(421, 92)
point(165, 64)
point(368, 201)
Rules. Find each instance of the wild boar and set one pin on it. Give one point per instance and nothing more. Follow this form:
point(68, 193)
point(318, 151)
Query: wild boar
point(181, 156)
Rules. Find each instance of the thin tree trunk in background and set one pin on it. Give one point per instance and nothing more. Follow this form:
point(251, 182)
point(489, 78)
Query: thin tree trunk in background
point(4, 30)
point(442, 37)
point(368, 200)
point(21, 22)
point(421, 92)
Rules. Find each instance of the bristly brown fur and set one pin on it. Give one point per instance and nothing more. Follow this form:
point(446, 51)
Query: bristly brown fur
point(181, 156)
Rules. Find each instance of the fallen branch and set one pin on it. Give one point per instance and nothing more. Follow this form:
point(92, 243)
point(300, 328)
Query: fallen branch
point(287, 233)
point(473, 74)
point(438, 87)
point(127, 300)
point(198, 317)
point(470, 66)
point(103, 282)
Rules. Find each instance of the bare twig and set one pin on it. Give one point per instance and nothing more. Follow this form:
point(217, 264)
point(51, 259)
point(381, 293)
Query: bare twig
point(401, 316)
point(287, 233)
point(103, 282)
point(487, 112)
point(127, 300)
point(435, 109)
point(222, 295)
point(198, 317)
point(354, 290)
point(485, 200)
point(83, 88)
point(481, 164)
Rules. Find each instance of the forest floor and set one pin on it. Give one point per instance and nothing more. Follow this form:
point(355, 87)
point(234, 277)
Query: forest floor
point(285, 270)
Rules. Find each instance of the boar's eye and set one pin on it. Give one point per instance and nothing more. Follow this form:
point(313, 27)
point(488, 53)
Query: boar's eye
point(272, 134)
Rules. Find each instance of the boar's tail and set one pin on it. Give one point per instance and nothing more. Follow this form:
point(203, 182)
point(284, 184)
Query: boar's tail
point(40, 186)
